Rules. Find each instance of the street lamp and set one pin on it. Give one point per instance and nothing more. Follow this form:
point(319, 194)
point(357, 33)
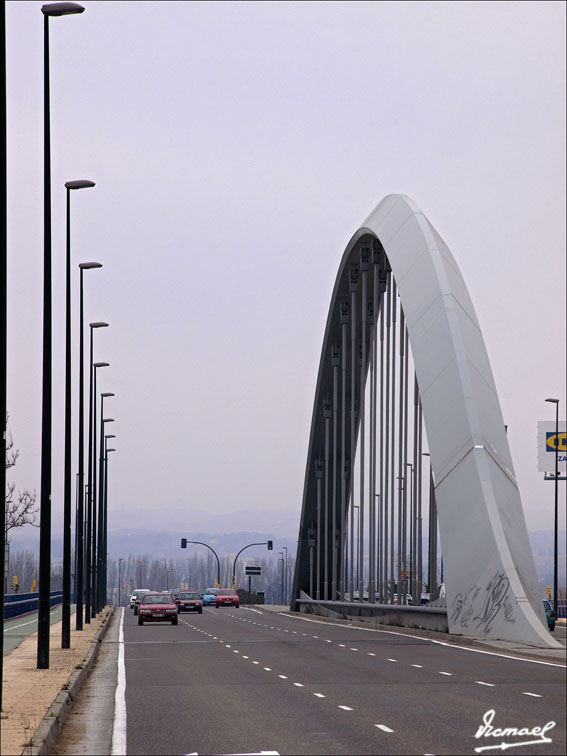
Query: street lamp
point(98, 552)
point(55, 9)
point(79, 524)
point(120, 560)
point(556, 402)
point(105, 512)
point(91, 525)
point(285, 582)
point(66, 608)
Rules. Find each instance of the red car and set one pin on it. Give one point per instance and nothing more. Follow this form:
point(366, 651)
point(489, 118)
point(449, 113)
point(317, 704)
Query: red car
point(227, 597)
point(157, 607)
point(190, 601)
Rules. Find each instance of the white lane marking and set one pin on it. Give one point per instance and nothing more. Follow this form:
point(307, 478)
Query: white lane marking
point(369, 654)
point(383, 728)
point(431, 640)
point(247, 608)
point(319, 695)
point(329, 641)
point(354, 649)
point(345, 708)
point(488, 685)
point(342, 645)
point(535, 695)
point(419, 666)
point(449, 674)
point(235, 651)
point(228, 646)
point(245, 657)
point(268, 669)
point(284, 677)
point(18, 626)
point(299, 685)
point(119, 724)
point(392, 660)
point(255, 662)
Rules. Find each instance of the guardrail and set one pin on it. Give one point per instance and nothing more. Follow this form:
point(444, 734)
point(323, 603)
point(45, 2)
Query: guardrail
point(27, 602)
point(424, 617)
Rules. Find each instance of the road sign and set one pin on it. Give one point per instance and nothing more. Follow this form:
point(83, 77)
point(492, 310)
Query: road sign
point(252, 570)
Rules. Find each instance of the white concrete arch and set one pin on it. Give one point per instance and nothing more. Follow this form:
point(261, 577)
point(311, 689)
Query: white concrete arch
point(491, 583)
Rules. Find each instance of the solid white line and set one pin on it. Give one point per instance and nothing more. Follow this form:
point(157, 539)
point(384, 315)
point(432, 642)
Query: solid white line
point(431, 640)
point(383, 728)
point(251, 610)
point(535, 695)
point(119, 725)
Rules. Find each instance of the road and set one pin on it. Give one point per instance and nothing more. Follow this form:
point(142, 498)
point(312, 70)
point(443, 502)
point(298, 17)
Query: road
point(18, 628)
point(246, 681)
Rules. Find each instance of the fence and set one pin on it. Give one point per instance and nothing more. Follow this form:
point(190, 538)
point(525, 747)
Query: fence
point(16, 604)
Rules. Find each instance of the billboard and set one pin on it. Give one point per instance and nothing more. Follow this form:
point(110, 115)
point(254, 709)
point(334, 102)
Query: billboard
point(548, 441)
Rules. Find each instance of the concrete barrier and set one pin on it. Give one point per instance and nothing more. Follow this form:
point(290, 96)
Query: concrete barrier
point(396, 615)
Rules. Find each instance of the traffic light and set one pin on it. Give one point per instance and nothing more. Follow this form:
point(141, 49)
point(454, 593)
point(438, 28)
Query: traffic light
point(15, 584)
point(183, 543)
point(270, 545)
point(34, 586)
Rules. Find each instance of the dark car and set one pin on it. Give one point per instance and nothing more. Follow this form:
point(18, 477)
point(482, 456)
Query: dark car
point(549, 614)
point(189, 601)
point(227, 597)
point(157, 607)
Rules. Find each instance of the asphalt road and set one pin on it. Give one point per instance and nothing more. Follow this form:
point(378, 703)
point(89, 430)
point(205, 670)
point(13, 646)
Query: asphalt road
point(234, 681)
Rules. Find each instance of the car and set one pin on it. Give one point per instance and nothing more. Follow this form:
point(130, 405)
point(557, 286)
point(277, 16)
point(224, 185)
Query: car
point(227, 597)
point(157, 607)
point(136, 593)
point(549, 614)
point(209, 596)
point(189, 601)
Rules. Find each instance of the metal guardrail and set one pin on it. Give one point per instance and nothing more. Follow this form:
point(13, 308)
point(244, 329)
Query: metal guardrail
point(27, 602)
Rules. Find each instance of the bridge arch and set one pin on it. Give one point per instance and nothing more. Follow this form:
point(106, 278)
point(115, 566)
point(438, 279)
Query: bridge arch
point(490, 577)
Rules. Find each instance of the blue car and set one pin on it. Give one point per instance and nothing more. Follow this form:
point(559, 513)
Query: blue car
point(210, 597)
point(549, 614)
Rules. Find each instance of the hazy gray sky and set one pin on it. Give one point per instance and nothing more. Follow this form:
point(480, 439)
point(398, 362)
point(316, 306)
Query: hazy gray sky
point(236, 148)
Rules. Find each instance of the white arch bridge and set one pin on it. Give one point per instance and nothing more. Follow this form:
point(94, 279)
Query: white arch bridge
point(406, 411)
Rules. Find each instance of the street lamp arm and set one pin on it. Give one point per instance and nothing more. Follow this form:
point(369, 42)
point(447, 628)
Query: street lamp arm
point(215, 553)
point(263, 543)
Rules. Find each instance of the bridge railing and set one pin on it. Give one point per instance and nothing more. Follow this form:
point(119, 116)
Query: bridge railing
point(17, 604)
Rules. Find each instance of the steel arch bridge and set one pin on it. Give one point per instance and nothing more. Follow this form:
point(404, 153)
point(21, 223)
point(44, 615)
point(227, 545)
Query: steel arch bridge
point(379, 404)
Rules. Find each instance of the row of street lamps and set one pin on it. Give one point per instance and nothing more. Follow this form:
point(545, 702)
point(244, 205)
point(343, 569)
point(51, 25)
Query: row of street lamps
point(90, 543)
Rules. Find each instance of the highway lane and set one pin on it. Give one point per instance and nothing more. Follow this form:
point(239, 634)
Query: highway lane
point(239, 681)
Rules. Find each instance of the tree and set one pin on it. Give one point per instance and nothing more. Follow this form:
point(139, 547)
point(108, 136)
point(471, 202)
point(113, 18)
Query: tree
point(21, 506)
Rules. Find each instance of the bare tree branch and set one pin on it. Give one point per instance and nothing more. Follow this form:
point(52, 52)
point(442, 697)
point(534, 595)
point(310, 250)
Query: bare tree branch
point(20, 505)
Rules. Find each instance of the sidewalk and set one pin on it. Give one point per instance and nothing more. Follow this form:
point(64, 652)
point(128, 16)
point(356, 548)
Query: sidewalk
point(28, 692)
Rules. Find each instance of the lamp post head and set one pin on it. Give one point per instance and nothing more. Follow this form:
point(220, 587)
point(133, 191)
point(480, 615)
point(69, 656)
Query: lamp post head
point(107, 393)
point(553, 401)
point(61, 9)
point(89, 265)
point(110, 435)
point(107, 419)
point(79, 184)
point(101, 364)
point(109, 450)
point(98, 324)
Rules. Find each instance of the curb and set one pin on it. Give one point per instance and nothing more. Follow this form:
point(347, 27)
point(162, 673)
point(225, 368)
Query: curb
point(449, 639)
point(45, 737)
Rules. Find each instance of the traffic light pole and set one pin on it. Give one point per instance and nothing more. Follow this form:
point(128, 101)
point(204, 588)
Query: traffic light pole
point(184, 543)
point(269, 544)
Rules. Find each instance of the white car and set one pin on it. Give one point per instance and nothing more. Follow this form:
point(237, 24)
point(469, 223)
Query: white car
point(136, 594)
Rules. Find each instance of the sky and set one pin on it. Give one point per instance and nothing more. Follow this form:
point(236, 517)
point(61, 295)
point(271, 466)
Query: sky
point(236, 148)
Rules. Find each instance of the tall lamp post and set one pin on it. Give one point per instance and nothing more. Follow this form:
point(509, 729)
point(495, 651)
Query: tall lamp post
point(285, 581)
point(120, 560)
point(98, 556)
point(79, 524)
point(91, 517)
point(3, 314)
point(280, 553)
point(54, 9)
point(66, 608)
point(105, 512)
point(556, 402)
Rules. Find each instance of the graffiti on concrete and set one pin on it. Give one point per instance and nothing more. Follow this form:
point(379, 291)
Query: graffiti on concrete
point(478, 608)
